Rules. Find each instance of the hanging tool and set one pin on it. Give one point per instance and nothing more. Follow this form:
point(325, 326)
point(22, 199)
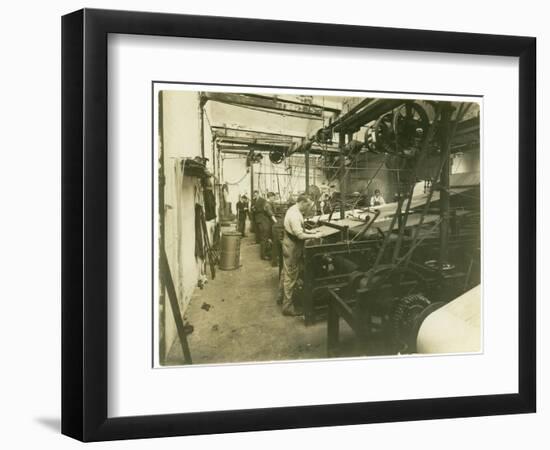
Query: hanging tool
point(210, 253)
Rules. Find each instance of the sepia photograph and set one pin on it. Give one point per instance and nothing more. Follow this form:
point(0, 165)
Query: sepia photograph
point(301, 224)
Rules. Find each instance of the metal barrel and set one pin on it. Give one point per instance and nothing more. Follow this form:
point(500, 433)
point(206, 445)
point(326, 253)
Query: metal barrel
point(230, 258)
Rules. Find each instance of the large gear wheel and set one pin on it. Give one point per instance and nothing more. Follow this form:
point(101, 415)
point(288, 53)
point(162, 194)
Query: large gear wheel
point(382, 137)
point(410, 124)
point(404, 318)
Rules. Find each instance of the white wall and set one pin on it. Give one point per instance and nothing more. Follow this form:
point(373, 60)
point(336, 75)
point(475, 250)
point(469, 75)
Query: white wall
point(30, 235)
point(181, 132)
point(237, 176)
point(235, 116)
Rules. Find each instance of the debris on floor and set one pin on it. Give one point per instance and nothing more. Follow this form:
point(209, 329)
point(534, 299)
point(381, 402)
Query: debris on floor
point(206, 306)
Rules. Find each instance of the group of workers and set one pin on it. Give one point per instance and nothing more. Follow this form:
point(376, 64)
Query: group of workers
point(261, 213)
point(327, 201)
point(262, 217)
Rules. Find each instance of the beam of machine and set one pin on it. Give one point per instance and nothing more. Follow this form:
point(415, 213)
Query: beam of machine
point(372, 110)
point(254, 134)
point(259, 147)
point(247, 140)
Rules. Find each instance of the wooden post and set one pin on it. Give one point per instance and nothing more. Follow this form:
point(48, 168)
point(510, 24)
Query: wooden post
point(174, 304)
point(333, 327)
point(160, 186)
point(444, 184)
point(214, 157)
point(341, 144)
point(306, 160)
point(201, 121)
point(251, 180)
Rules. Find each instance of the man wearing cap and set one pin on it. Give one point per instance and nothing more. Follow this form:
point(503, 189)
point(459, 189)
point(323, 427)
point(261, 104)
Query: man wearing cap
point(293, 246)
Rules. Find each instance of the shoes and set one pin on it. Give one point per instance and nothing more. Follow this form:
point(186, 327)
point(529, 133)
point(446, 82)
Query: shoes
point(266, 258)
point(293, 312)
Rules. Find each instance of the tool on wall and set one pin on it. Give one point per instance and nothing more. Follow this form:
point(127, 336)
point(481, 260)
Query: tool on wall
point(201, 229)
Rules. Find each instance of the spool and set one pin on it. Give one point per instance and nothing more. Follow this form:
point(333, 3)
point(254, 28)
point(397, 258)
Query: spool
point(230, 257)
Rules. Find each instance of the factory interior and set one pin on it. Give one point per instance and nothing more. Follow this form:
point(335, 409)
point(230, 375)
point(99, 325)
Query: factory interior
point(296, 227)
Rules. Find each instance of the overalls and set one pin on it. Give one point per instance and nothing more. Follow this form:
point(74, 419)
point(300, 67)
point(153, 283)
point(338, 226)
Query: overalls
point(293, 249)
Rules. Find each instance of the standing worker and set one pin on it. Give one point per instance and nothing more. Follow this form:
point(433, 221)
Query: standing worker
point(324, 204)
point(293, 247)
point(264, 219)
point(252, 214)
point(242, 213)
point(270, 211)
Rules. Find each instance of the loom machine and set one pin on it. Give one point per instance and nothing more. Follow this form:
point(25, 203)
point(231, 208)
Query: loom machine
point(384, 270)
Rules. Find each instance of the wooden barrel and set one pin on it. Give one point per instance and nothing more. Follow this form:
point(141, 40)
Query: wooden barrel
point(230, 257)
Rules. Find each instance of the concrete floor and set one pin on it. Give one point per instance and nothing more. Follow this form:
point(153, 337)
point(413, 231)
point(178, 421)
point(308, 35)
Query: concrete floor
point(235, 318)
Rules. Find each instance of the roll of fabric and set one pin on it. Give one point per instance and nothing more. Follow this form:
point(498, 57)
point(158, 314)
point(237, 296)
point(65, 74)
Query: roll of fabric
point(453, 328)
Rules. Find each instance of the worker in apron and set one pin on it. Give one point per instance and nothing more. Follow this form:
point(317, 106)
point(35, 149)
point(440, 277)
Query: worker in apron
point(377, 199)
point(295, 236)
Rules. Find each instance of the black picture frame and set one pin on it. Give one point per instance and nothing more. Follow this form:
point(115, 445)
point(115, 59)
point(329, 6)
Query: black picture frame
point(84, 224)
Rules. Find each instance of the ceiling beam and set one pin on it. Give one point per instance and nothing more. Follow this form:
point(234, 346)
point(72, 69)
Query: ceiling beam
point(270, 104)
point(240, 140)
point(247, 147)
point(325, 108)
point(221, 131)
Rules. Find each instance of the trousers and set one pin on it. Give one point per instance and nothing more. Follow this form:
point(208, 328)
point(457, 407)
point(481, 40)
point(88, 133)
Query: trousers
point(292, 262)
point(241, 225)
point(263, 231)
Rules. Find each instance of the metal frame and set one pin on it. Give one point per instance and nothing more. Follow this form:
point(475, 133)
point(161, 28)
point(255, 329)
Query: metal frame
point(84, 224)
point(314, 304)
point(249, 139)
